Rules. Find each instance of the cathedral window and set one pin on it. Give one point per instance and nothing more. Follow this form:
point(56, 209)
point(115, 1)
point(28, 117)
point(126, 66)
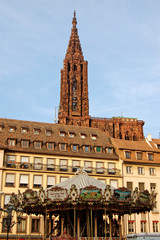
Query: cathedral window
point(75, 67)
point(74, 85)
point(127, 136)
point(81, 67)
point(74, 108)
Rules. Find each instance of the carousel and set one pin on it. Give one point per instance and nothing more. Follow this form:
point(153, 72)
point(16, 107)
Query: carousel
point(83, 208)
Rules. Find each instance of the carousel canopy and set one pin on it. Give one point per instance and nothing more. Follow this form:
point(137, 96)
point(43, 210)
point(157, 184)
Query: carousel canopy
point(83, 191)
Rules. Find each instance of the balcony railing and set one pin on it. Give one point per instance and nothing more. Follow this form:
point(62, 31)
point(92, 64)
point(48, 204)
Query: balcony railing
point(61, 168)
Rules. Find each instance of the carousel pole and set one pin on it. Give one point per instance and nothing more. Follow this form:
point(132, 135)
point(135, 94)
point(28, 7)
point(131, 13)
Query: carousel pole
point(78, 227)
point(110, 227)
point(95, 229)
point(74, 222)
point(50, 228)
point(120, 228)
point(91, 224)
point(105, 223)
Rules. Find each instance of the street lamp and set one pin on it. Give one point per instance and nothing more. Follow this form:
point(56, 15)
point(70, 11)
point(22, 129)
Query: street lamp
point(8, 224)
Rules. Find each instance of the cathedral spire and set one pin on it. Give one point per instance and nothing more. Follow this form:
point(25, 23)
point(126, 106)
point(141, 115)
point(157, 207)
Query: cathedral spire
point(74, 46)
point(74, 106)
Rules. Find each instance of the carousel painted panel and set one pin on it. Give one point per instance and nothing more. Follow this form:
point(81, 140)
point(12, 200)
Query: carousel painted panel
point(90, 193)
point(122, 194)
point(57, 194)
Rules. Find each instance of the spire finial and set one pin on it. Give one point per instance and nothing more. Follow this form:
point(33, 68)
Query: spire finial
point(74, 21)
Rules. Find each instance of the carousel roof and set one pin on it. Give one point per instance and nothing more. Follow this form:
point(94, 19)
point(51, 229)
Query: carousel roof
point(81, 180)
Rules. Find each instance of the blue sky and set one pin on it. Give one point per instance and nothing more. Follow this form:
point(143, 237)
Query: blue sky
point(120, 40)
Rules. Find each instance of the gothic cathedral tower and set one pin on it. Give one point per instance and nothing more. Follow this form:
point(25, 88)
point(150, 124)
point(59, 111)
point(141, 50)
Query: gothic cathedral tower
point(74, 105)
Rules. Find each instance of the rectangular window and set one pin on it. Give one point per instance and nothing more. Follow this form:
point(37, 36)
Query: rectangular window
point(98, 149)
point(140, 170)
point(155, 226)
point(62, 146)
point(111, 168)
point(152, 171)
point(110, 150)
point(129, 169)
point(10, 179)
point(150, 156)
point(100, 167)
point(152, 187)
point(12, 142)
point(24, 162)
point(50, 164)
point(88, 166)
point(35, 225)
point(11, 160)
point(37, 163)
point(4, 224)
point(75, 165)
point(75, 147)
point(141, 186)
point(130, 186)
point(63, 179)
point(50, 181)
point(37, 181)
point(143, 226)
point(21, 226)
point(23, 180)
point(37, 144)
point(63, 165)
point(114, 183)
point(6, 199)
point(24, 143)
point(128, 154)
point(50, 145)
point(139, 156)
point(131, 226)
point(102, 180)
point(86, 148)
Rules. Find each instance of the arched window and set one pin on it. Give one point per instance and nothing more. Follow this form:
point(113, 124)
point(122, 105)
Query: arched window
point(127, 136)
point(74, 85)
point(135, 137)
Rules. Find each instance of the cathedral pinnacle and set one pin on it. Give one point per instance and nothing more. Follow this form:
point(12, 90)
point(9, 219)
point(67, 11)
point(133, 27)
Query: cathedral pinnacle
point(74, 21)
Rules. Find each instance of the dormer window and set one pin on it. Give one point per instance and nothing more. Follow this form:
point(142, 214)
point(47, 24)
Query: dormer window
point(24, 130)
point(98, 149)
point(12, 142)
point(86, 149)
point(83, 135)
point(62, 146)
point(109, 150)
point(75, 148)
point(11, 129)
point(37, 144)
point(50, 145)
point(48, 132)
point(36, 131)
point(25, 143)
point(128, 155)
point(71, 134)
point(62, 134)
point(150, 156)
point(139, 156)
point(94, 136)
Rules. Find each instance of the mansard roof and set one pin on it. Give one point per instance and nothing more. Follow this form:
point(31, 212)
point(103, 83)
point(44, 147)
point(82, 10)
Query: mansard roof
point(102, 139)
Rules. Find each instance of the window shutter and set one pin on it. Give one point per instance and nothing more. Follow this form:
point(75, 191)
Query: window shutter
point(24, 159)
point(38, 180)
point(10, 178)
point(87, 164)
point(11, 158)
point(75, 163)
point(6, 199)
point(113, 183)
point(63, 162)
point(99, 165)
point(24, 179)
point(37, 163)
point(51, 181)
